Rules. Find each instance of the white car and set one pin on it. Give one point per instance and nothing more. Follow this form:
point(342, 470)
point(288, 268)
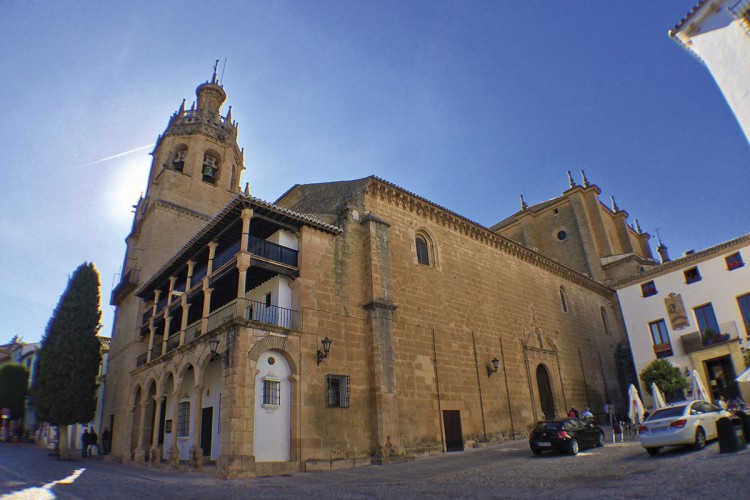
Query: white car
point(685, 423)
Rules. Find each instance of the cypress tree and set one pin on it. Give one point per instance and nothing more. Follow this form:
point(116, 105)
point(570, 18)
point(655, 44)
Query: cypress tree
point(64, 387)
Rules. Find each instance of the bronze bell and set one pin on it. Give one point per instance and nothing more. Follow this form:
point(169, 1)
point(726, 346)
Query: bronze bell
point(209, 173)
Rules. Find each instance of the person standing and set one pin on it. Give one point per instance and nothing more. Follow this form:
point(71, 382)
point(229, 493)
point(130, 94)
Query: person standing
point(85, 440)
point(105, 441)
point(93, 442)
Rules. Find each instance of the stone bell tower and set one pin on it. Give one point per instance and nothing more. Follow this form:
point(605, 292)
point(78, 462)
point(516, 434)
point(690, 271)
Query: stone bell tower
point(195, 172)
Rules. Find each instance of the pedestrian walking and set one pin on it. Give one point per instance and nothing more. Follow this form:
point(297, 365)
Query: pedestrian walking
point(93, 442)
point(85, 440)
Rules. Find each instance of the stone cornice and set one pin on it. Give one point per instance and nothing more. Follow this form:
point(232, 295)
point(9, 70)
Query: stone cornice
point(682, 261)
point(420, 206)
point(380, 304)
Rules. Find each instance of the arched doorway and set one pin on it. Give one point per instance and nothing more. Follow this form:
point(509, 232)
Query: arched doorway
point(545, 392)
point(272, 432)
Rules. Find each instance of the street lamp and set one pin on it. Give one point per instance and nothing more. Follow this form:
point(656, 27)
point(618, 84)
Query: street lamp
point(492, 369)
point(213, 345)
point(326, 349)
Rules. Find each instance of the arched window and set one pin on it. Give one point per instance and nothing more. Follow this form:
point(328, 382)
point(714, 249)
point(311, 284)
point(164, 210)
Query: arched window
point(564, 299)
point(179, 159)
point(210, 168)
point(423, 250)
point(604, 321)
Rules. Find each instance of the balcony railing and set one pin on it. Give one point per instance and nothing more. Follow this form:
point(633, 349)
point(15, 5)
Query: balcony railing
point(272, 315)
point(222, 315)
point(694, 341)
point(193, 331)
point(141, 359)
point(156, 351)
point(173, 342)
point(198, 274)
point(272, 251)
point(225, 255)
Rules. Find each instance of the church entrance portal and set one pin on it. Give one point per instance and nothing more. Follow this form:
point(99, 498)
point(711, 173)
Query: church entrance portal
point(545, 392)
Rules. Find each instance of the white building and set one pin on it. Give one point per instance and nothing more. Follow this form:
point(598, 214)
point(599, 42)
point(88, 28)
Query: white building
point(668, 312)
point(717, 32)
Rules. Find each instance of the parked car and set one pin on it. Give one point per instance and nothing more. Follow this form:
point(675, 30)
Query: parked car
point(567, 434)
point(686, 423)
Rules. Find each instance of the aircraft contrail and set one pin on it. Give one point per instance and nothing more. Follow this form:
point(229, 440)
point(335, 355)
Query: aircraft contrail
point(118, 155)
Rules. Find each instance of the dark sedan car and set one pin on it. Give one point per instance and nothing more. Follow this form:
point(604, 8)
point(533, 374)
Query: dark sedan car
point(567, 434)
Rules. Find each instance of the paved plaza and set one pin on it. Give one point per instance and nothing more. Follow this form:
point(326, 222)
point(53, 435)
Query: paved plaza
point(506, 470)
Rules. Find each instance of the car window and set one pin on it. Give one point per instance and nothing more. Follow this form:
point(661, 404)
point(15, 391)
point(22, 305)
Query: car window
point(670, 412)
point(571, 424)
point(697, 408)
point(548, 426)
point(711, 407)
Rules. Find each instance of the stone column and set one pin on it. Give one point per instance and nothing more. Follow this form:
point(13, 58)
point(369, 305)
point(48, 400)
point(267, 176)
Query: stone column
point(196, 453)
point(155, 452)
point(140, 454)
point(174, 450)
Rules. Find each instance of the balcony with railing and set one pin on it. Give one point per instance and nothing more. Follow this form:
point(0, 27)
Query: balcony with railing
point(695, 341)
point(173, 342)
point(272, 251)
point(225, 255)
point(272, 315)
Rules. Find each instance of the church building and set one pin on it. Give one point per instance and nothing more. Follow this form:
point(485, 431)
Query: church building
point(347, 323)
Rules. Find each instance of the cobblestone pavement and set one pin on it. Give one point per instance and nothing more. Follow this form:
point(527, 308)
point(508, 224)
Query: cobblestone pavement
point(506, 470)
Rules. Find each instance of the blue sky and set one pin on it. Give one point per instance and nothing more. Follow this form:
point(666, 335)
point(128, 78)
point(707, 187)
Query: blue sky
point(466, 103)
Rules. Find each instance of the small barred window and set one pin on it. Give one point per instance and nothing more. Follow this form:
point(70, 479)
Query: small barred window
point(337, 391)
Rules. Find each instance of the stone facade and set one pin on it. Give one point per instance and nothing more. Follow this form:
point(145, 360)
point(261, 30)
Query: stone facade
point(417, 301)
point(578, 231)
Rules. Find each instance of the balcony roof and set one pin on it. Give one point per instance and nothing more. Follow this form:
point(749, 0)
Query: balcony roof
point(267, 218)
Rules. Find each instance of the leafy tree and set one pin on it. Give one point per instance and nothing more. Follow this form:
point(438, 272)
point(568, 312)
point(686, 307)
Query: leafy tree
point(14, 382)
point(65, 384)
point(666, 376)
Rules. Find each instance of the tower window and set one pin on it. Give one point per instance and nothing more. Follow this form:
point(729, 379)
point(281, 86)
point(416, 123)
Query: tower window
point(210, 167)
point(423, 253)
point(179, 160)
point(605, 322)
point(564, 299)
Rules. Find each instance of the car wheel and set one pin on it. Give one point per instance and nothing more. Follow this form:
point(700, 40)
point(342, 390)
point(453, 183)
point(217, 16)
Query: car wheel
point(536, 450)
point(573, 447)
point(700, 439)
point(653, 451)
point(600, 439)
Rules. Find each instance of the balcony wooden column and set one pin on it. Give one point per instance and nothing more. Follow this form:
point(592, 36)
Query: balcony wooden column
point(211, 254)
point(151, 328)
point(196, 452)
point(155, 452)
point(167, 322)
point(247, 214)
point(174, 450)
point(243, 263)
point(185, 304)
point(189, 278)
point(183, 323)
